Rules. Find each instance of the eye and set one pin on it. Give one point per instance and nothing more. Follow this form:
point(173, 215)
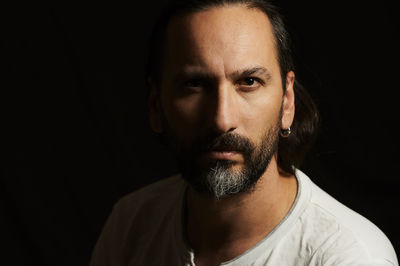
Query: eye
point(193, 83)
point(250, 83)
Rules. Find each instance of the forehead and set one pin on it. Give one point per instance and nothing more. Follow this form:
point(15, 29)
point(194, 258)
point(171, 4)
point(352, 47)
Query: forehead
point(228, 32)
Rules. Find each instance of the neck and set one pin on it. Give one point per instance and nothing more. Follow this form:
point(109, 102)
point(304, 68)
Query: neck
point(229, 226)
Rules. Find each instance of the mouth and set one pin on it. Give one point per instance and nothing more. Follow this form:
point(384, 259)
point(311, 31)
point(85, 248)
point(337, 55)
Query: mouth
point(222, 153)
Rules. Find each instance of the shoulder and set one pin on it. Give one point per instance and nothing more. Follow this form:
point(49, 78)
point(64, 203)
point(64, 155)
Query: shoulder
point(166, 189)
point(342, 236)
point(149, 200)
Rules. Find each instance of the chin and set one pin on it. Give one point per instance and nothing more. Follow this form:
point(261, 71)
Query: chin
point(222, 178)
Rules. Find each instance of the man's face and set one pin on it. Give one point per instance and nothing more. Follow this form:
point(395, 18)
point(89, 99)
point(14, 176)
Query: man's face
point(220, 101)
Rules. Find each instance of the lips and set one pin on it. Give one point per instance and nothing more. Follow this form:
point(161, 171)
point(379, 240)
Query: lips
point(222, 153)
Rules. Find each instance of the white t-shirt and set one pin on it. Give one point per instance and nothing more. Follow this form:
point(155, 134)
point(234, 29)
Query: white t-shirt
point(146, 228)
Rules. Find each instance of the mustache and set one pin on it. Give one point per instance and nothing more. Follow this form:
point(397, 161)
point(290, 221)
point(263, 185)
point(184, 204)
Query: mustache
point(224, 142)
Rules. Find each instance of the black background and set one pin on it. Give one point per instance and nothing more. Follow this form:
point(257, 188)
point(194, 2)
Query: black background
point(76, 132)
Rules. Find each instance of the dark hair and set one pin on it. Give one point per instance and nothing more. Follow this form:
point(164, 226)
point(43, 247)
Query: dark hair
point(291, 150)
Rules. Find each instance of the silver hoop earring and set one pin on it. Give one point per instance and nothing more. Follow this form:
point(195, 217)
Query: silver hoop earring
point(285, 132)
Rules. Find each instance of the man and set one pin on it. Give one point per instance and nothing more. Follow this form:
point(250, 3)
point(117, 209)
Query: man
point(224, 97)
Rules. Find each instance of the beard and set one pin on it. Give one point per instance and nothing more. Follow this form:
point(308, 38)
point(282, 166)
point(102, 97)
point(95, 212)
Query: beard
point(221, 178)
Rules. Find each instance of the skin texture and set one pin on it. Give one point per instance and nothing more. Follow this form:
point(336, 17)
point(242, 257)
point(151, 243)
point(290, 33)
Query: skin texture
point(204, 88)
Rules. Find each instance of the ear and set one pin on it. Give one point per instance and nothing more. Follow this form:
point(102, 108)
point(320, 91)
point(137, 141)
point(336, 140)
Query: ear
point(154, 105)
point(288, 105)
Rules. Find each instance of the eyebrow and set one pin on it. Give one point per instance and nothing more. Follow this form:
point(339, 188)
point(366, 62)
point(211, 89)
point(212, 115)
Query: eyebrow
point(251, 71)
point(194, 74)
point(237, 74)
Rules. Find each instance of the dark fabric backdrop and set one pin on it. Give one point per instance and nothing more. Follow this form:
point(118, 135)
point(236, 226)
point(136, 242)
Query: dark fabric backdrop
point(75, 130)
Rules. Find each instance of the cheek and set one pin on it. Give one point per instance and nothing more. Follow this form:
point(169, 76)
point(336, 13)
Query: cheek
point(183, 115)
point(261, 114)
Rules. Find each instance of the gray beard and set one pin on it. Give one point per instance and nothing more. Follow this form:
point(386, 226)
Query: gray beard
point(221, 180)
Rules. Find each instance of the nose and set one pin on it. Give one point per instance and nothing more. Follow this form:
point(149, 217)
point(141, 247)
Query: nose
point(224, 111)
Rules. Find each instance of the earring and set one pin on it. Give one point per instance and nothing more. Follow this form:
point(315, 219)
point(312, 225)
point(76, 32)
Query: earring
point(285, 132)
